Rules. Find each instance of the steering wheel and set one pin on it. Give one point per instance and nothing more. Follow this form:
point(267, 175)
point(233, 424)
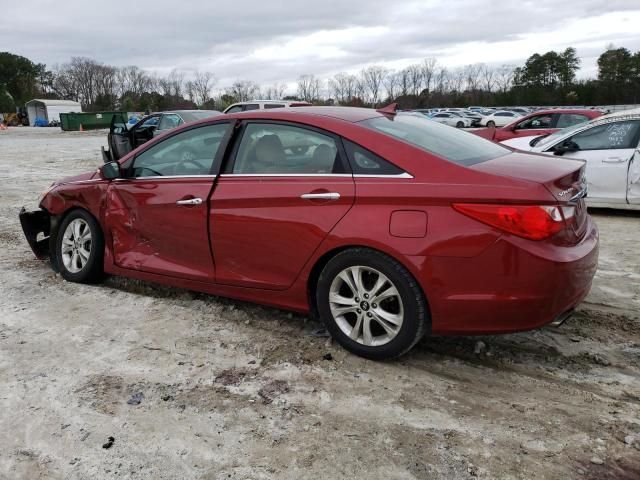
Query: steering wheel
point(186, 167)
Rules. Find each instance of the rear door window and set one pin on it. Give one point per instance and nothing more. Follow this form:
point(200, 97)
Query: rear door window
point(570, 119)
point(279, 149)
point(364, 162)
point(273, 105)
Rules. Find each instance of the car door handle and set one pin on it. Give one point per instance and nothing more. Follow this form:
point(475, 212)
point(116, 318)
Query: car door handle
point(614, 160)
point(320, 196)
point(190, 201)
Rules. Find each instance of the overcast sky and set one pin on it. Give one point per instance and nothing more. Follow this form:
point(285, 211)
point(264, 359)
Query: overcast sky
point(269, 40)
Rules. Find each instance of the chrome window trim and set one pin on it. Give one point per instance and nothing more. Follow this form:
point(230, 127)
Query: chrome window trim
point(164, 177)
point(397, 175)
point(286, 175)
point(315, 175)
point(91, 180)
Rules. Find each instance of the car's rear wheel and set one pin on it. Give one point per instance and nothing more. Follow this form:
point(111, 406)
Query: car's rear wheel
point(80, 248)
point(460, 124)
point(491, 123)
point(371, 304)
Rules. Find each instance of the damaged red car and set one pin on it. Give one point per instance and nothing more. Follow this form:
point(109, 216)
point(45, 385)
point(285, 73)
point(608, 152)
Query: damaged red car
point(384, 225)
point(541, 122)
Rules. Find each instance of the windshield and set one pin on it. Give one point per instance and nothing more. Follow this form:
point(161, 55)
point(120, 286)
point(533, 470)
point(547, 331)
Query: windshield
point(449, 143)
point(549, 140)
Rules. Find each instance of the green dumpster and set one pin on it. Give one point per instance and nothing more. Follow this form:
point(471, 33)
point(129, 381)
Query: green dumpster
point(88, 120)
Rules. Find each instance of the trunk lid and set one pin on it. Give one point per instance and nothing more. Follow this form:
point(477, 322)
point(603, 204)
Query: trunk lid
point(563, 178)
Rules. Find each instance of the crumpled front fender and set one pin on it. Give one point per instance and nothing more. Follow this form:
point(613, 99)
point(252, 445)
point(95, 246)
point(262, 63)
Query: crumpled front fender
point(36, 226)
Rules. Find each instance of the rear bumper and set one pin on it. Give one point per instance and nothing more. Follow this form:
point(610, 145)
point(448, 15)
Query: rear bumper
point(36, 226)
point(512, 286)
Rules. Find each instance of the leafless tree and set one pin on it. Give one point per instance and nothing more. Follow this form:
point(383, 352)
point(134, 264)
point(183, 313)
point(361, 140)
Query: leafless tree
point(472, 76)
point(201, 85)
point(275, 91)
point(133, 79)
point(190, 91)
point(457, 80)
point(63, 84)
point(343, 87)
point(414, 73)
point(84, 80)
point(173, 84)
point(243, 90)
point(404, 81)
point(443, 81)
point(391, 83)
point(372, 78)
point(504, 77)
point(428, 72)
point(107, 85)
point(488, 75)
point(308, 88)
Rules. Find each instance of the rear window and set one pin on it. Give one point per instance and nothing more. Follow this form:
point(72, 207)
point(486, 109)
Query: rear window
point(449, 143)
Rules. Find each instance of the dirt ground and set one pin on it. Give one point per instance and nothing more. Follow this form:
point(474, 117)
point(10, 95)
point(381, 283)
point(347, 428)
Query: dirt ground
point(192, 386)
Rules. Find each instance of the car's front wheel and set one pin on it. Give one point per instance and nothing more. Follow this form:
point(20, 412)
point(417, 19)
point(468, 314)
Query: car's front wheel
point(371, 304)
point(491, 124)
point(80, 248)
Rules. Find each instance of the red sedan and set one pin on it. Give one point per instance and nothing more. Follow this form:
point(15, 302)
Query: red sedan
point(387, 226)
point(542, 122)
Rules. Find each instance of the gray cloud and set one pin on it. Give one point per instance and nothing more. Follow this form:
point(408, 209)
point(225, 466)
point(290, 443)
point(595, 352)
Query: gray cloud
point(270, 41)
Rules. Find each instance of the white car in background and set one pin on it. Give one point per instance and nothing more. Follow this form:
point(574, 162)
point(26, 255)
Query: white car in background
point(262, 105)
point(499, 118)
point(453, 119)
point(610, 145)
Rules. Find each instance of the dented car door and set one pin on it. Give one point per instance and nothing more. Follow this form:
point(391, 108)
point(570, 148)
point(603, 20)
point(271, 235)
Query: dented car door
point(157, 213)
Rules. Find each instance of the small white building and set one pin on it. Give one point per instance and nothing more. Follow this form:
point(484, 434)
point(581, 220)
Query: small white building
point(50, 110)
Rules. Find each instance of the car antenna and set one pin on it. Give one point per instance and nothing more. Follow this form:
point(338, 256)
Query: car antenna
point(390, 109)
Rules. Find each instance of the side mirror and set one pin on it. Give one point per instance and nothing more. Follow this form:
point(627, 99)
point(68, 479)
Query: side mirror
point(566, 147)
point(110, 170)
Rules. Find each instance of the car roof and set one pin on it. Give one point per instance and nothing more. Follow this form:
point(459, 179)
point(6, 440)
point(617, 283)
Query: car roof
point(622, 113)
point(348, 114)
point(551, 111)
point(279, 102)
point(189, 111)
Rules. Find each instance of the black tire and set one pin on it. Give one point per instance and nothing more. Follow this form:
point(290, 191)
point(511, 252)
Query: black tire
point(460, 124)
point(491, 124)
point(93, 269)
point(415, 323)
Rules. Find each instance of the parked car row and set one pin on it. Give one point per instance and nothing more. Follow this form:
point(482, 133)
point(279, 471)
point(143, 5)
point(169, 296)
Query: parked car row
point(610, 146)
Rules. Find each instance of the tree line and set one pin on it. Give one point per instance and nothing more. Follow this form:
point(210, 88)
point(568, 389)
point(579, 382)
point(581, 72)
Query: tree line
point(544, 79)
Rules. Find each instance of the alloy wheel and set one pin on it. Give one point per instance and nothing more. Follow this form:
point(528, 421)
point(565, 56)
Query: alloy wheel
point(366, 305)
point(76, 245)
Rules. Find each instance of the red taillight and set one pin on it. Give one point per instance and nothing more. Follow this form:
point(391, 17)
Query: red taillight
point(535, 222)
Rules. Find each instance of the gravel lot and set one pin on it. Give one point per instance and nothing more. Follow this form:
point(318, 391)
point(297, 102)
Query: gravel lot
point(233, 390)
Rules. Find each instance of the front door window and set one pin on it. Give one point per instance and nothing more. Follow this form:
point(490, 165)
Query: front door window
point(187, 153)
